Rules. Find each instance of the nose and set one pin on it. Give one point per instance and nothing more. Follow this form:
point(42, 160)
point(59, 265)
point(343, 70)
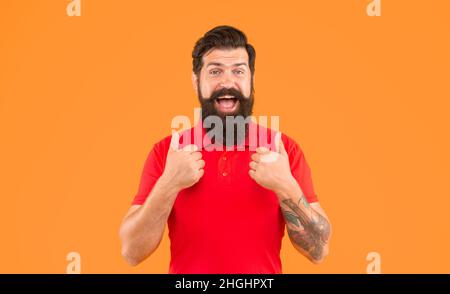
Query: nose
point(227, 81)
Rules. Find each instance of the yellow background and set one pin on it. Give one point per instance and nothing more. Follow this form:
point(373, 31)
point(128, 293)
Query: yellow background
point(82, 100)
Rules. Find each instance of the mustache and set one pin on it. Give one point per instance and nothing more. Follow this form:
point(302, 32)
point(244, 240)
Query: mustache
point(227, 92)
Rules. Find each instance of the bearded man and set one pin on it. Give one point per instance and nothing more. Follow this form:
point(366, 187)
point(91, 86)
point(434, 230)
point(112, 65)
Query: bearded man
point(226, 208)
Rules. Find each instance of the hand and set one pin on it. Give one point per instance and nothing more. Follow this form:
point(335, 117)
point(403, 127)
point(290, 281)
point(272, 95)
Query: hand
point(271, 169)
point(183, 167)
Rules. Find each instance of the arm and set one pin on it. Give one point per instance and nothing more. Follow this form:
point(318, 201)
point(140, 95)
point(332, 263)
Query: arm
point(143, 226)
point(307, 225)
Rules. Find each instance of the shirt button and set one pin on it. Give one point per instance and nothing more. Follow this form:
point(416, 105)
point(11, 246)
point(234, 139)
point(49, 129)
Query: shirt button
point(224, 158)
point(224, 174)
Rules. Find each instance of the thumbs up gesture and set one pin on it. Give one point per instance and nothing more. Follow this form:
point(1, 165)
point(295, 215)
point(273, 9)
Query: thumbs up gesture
point(184, 167)
point(271, 169)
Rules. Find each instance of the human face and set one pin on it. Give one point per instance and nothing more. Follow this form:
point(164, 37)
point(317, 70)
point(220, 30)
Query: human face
point(225, 71)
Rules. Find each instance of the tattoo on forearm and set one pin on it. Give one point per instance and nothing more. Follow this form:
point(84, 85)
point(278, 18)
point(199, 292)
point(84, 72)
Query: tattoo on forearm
point(291, 217)
point(309, 230)
point(307, 242)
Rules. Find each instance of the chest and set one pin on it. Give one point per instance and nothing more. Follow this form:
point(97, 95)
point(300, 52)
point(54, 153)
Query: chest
point(226, 198)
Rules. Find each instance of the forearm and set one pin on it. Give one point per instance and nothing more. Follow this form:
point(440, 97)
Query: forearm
point(308, 230)
point(141, 232)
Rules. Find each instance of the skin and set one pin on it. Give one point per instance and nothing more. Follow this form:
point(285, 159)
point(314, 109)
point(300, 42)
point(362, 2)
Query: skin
point(224, 68)
point(307, 224)
point(143, 226)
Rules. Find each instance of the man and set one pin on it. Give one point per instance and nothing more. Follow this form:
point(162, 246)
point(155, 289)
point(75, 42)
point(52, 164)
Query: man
point(226, 209)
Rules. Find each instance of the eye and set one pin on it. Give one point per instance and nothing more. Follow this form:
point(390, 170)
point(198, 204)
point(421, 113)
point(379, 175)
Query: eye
point(214, 72)
point(239, 72)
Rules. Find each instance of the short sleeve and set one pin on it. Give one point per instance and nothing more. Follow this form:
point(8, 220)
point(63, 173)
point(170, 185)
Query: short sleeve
point(300, 170)
point(153, 169)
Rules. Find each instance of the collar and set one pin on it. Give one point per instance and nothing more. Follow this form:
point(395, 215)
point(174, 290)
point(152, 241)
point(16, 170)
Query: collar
point(256, 136)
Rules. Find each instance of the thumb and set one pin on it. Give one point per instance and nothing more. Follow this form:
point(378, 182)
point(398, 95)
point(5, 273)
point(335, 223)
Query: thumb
point(190, 148)
point(279, 146)
point(174, 141)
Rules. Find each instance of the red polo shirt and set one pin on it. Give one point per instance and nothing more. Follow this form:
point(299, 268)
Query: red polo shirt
point(225, 223)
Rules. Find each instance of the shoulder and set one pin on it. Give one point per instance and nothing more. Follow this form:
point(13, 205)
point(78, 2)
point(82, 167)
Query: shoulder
point(163, 145)
point(291, 146)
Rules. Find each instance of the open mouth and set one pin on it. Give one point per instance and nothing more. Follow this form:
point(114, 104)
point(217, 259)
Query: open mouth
point(227, 103)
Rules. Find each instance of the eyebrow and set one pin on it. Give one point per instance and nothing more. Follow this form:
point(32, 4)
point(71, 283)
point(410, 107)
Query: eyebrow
point(221, 64)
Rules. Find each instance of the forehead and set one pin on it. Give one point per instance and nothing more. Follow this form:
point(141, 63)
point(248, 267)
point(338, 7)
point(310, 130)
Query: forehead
point(226, 57)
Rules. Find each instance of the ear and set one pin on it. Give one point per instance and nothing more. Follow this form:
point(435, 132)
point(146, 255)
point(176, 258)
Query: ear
point(195, 82)
point(252, 82)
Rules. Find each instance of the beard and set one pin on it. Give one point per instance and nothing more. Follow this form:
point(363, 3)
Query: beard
point(231, 121)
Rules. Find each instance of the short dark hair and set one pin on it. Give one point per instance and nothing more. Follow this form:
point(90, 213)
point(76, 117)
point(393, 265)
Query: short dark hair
point(221, 37)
